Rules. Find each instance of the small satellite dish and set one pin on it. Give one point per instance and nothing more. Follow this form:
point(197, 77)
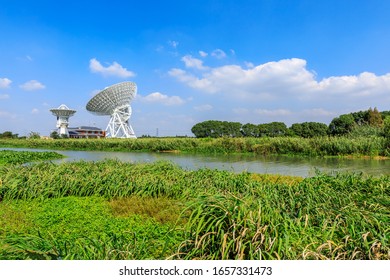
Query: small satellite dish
point(115, 101)
point(63, 113)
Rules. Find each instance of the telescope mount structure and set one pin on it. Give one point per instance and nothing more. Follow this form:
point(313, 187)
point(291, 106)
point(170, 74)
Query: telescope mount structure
point(115, 102)
point(63, 113)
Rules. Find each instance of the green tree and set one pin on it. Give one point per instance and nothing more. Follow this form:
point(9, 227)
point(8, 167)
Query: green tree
point(263, 130)
point(8, 134)
point(365, 131)
point(54, 135)
point(386, 127)
point(296, 129)
point(309, 129)
point(361, 117)
point(273, 129)
point(250, 130)
point(216, 129)
point(384, 114)
point(202, 129)
point(34, 135)
point(277, 129)
point(231, 129)
point(341, 125)
point(374, 118)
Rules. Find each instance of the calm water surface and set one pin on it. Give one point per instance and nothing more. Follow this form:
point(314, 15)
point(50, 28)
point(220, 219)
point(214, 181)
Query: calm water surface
point(286, 165)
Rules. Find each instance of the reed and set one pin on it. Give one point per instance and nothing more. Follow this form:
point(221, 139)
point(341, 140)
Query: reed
point(88, 210)
point(320, 146)
point(325, 217)
point(18, 157)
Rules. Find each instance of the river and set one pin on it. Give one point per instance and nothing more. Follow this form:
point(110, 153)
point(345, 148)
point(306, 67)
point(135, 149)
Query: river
point(285, 165)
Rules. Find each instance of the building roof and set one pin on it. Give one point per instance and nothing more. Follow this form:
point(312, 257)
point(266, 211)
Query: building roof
point(85, 128)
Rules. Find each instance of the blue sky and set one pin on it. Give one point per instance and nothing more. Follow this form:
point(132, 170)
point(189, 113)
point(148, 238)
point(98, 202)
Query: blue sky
point(246, 61)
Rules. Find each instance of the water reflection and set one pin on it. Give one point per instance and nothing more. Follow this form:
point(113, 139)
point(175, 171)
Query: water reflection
point(287, 165)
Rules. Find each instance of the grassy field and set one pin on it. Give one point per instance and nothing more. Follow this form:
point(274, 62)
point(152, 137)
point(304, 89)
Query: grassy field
point(18, 157)
point(115, 210)
point(322, 146)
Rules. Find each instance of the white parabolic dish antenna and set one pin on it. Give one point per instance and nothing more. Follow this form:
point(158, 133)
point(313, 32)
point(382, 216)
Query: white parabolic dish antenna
point(63, 113)
point(115, 101)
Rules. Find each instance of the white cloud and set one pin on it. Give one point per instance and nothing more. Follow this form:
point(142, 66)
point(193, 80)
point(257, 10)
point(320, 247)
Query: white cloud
point(249, 64)
point(205, 107)
point(173, 44)
point(4, 96)
point(289, 82)
point(362, 85)
point(34, 111)
point(157, 97)
point(273, 113)
point(240, 111)
point(191, 62)
point(318, 112)
point(192, 81)
point(218, 53)
point(115, 69)
point(203, 54)
point(159, 48)
point(32, 85)
point(5, 82)
point(7, 115)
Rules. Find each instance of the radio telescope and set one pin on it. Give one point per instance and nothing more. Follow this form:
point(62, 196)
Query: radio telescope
point(63, 113)
point(114, 101)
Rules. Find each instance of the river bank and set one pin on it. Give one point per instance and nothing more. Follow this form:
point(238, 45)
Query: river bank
point(321, 146)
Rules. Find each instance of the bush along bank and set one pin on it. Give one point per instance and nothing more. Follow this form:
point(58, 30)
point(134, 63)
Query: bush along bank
point(321, 146)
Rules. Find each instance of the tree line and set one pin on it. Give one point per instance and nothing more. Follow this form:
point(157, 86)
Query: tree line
point(11, 135)
point(363, 123)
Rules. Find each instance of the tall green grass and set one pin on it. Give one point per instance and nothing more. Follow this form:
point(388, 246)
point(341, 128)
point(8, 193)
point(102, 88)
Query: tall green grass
point(320, 146)
point(81, 228)
point(219, 214)
point(18, 157)
point(325, 217)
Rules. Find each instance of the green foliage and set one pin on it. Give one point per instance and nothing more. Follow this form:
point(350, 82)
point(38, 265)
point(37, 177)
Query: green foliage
point(365, 131)
point(341, 125)
point(273, 129)
point(316, 146)
point(161, 209)
point(374, 118)
point(34, 135)
point(217, 129)
point(54, 135)
point(319, 218)
point(250, 130)
point(309, 129)
point(384, 114)
point(18, 157)
point(82, 228)
point(88, 210)
point(8, 134)
point(360, 118)
point(386, 127)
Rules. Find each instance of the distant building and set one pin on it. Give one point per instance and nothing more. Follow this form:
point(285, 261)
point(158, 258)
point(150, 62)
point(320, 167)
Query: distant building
point(86, 132)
